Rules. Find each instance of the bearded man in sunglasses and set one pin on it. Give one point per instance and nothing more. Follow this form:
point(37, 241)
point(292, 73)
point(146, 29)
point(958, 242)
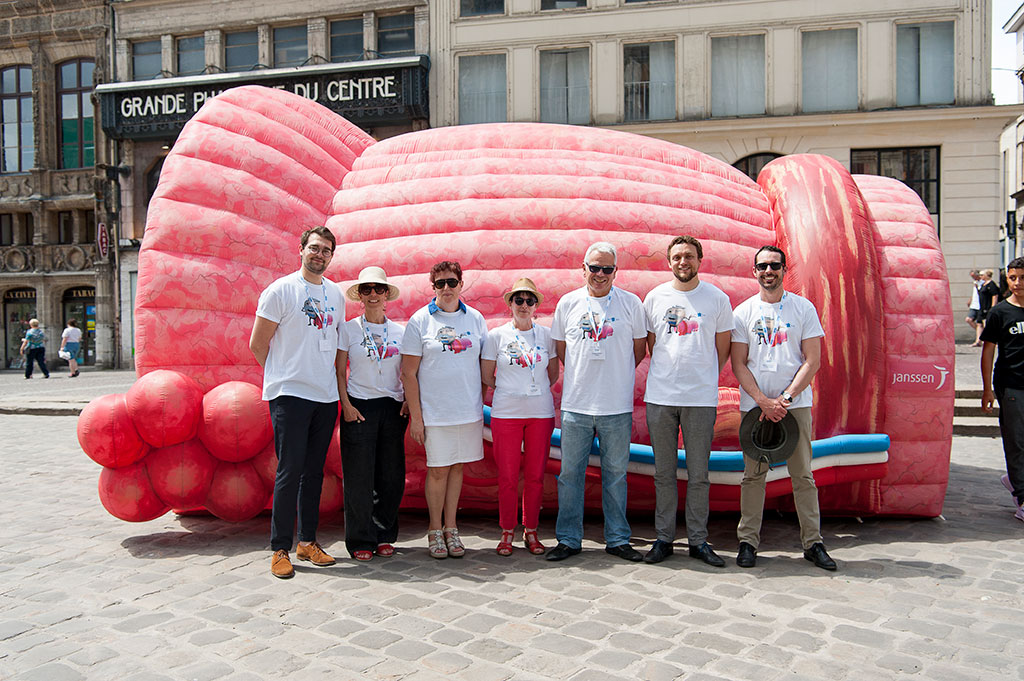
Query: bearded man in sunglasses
point(775, 374)
point(600, 336)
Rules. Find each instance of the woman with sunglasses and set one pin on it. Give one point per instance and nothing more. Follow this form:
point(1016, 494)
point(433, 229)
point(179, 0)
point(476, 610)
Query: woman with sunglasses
point(520, 363)
point(374, 417)
point(441, 374)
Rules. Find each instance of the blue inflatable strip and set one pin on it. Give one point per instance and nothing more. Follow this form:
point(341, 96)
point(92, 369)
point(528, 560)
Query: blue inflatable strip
point(733, 461)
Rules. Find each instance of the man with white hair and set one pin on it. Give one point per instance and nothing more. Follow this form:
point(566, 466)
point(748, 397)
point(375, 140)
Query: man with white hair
point(600, 335)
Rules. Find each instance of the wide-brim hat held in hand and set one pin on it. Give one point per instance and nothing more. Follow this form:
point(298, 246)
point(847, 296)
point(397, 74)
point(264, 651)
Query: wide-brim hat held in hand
point(371, 275)
point(766, 441)
point(523, 285)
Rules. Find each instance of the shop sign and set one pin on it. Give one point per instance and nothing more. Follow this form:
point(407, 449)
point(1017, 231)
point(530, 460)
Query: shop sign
point(102, 240)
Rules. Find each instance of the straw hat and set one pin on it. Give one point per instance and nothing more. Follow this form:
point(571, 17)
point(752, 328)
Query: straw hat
point(524, 285)
point(371, 275)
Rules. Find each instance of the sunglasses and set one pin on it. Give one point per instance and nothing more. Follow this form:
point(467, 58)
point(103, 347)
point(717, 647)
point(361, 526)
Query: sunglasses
point(762, 266)
point(450, 283)
point(594, 269)
point(529, 301)
point(367, 289)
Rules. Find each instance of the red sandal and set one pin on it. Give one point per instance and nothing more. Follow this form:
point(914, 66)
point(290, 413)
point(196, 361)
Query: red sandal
point(362, 556)
point(505, 545)
point(532, 543)
point(385, 550)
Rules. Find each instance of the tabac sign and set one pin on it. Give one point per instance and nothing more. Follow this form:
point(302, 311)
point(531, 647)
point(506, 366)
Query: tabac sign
point(382, 91)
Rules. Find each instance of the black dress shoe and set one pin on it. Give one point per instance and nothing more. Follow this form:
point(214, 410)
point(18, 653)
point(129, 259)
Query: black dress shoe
point(817, 555)
point(624, 551)
point(747, 555)
point(561, 552)
point(707, 554)
point(660, 550)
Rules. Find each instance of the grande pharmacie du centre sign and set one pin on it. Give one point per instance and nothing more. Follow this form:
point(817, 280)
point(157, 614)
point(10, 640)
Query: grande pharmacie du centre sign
point(367, 93)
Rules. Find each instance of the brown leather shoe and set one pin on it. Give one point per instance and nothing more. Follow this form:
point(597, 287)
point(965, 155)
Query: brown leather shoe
point(280, 566)
point(314, 553)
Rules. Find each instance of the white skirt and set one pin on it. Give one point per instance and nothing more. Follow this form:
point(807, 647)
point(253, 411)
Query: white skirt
point(448, 445)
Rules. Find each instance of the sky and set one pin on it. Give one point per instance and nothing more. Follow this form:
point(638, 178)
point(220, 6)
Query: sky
point(1004, 62)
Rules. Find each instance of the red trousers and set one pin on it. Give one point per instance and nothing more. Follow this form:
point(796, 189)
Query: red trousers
point(520, 443)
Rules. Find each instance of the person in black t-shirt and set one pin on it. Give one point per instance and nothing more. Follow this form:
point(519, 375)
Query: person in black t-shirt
point(1004, 328)
point(988, 293)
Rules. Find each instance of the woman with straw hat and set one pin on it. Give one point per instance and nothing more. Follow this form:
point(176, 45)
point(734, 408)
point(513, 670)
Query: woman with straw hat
point(519, 362)
point(374, 417)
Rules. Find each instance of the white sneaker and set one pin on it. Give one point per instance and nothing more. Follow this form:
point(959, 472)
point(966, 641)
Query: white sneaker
point(1019, 515)
point(1006, 482)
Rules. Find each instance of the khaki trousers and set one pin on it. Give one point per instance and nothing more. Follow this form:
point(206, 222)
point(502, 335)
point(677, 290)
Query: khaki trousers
point(805, 494)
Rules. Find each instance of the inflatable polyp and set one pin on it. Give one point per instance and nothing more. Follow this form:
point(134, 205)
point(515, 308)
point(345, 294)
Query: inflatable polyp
point(181, 473)
point(127, 494)
point(235, 423)
point(331, 495)
point(107, 434)
point(165, 407)
point(237, 492)
point(332, 464)
point(265, 464)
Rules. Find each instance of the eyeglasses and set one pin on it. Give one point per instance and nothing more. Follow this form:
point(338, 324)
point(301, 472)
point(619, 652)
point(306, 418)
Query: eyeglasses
point(762, 266)
point(594, 269)
point(367, 289)
point(450, 283)
point(529, 301)
point(316, 250)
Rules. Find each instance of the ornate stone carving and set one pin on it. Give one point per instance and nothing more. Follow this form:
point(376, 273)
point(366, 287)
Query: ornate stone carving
point(16, 259)
point(15, 185)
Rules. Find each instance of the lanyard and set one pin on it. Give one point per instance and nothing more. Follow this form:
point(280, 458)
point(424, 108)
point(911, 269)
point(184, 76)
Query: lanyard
point(777, 319)
point(377, 352)
point(527, 351)
point(320, 316)
point(599, 323)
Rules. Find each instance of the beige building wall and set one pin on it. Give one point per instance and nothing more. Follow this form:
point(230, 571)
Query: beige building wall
point(966, 132)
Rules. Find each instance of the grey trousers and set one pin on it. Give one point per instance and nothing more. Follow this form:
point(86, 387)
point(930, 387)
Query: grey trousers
point(698, 426)
point(805, 493)
point(1011, 427)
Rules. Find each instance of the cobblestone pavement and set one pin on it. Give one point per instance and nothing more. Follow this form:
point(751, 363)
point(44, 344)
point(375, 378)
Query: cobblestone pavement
point(86, 596)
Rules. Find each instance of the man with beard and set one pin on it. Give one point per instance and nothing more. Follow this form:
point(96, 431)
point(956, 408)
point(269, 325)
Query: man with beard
point(689, 323)
point(776, 376)
point(295, 340)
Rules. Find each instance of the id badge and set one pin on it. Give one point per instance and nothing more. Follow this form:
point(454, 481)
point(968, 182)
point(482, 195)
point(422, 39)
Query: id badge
point(533, 390)
point(326, 345)
point(596, 351)
point(769, 363)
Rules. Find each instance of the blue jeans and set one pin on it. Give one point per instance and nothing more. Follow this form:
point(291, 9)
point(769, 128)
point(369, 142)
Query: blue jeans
point(578, 433)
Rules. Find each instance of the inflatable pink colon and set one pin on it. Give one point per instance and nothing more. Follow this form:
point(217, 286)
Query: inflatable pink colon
point(257, 166)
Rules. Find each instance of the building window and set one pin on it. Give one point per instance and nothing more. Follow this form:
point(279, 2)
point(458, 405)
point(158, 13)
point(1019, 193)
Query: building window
point(90, 227)
point(475, 8)
point(565, 86)
point(290, 46)
point(918, 168)
point(395, 35)
point(649, 81)
point(737, 75)
point(751, 165)
point(241, 51)
point(17, 131)
point(562, 4)
point(6, 229)
point(74, 83)
point(482, 89)
point(65, 227)
point(347, 40)
point(191, 55)
point(147, 62)
point(924, 64)
point(830, 70)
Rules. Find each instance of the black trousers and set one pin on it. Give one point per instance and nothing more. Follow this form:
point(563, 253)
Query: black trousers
point(36, 355)
point(302, 434)
point(373, 463)
point(1011, 427)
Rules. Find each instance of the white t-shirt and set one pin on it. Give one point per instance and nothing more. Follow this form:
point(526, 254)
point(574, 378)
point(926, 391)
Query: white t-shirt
point(975, 298)
point(72, 334)
point(374, 358)
point(448, 344)
point(773, 334)
point(598, 334)
point(305, 346)
point(522, 389)
point(684, 362)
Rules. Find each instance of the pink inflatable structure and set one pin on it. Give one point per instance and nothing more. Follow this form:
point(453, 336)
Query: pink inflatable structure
point(257, 166)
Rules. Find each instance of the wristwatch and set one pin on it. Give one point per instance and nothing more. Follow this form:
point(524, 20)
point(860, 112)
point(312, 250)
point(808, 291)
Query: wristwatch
point(786, 396)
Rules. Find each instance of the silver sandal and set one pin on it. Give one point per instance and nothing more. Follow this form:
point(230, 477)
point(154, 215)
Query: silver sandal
point(436, 545)
point(451, 538)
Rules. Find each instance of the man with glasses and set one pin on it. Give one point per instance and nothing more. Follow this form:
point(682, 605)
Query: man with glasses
point(295, 339)
point(600, 337)
point(776, 350)
point(689, 323)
